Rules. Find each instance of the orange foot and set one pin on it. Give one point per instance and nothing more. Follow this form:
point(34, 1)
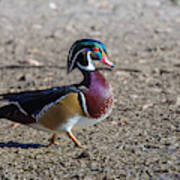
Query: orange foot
point(15, 125)
point(76, 142)
point(53, 142)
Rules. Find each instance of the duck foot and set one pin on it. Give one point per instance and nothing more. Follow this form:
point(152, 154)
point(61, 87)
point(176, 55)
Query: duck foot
point(54, 142)
point(77, 143)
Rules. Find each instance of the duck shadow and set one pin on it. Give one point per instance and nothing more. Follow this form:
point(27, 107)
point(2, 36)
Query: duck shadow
point(12, 144)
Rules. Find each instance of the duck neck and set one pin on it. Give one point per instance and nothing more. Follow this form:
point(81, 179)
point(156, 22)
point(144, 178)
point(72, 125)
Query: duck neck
point(87, 78)
point(94, 79)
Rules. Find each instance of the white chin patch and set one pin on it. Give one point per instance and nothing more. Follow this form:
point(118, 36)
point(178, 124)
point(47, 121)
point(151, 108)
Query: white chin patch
point(90, 66)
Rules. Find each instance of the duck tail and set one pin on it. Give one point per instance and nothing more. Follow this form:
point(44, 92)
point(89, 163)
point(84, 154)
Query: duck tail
point(7, 111)
point(12, 113)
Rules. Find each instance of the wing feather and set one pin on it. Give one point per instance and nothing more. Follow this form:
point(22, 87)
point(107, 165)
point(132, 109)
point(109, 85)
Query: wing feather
point(32, 102)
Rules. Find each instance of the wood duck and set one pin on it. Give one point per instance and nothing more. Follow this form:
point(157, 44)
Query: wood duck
point(62, 109)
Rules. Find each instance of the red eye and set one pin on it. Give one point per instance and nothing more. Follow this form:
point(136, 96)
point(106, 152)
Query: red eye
point(96, 49)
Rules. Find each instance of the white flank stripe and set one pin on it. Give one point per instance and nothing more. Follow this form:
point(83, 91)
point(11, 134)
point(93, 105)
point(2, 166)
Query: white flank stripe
point(19, 107)
point(84, 104)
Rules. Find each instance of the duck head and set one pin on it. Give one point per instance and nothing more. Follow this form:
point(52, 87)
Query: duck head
point(84, 53)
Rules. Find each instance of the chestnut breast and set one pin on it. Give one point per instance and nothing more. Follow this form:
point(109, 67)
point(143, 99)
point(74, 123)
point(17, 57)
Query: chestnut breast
point(99, 96)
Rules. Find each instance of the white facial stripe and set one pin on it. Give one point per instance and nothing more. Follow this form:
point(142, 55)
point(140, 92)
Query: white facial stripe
point(90, 66)
point(72, 49)
point(76, 55)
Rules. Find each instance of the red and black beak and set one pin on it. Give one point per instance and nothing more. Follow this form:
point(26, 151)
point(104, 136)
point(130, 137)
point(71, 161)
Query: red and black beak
point(106, 61)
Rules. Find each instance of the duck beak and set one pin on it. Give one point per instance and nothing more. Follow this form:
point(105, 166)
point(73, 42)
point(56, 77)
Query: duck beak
point(106, 61)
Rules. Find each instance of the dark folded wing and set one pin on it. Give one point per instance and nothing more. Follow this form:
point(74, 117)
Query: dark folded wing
point(32, 102)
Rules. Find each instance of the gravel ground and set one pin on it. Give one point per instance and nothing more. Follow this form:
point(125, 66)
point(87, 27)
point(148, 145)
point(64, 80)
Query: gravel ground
point(141, 139)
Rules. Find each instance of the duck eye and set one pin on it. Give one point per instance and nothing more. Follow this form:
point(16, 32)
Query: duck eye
point(96, 49)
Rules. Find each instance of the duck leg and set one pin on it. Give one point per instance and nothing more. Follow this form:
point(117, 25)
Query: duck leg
point(54, 142)
point(15, 125)
point(73, 138)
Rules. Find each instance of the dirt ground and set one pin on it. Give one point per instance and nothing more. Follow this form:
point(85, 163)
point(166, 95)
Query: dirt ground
point(141, 138)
